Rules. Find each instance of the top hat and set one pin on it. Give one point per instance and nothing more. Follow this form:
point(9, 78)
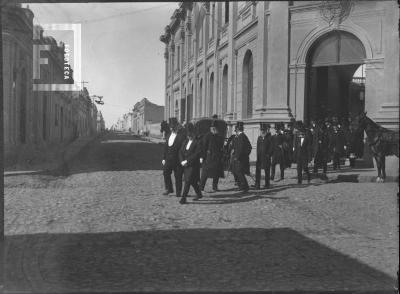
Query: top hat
point(279, 126)
point(240, 125)
point(173, 122)
point(190, 129)
point(264, 126)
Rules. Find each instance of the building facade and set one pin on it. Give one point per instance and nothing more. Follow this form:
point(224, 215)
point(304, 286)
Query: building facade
point(269, 60)
point(146, 115)
point(37, 119)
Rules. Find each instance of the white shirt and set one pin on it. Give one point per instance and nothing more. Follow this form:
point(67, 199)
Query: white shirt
point(301, 141)
point(188, 144)
point(171, 139)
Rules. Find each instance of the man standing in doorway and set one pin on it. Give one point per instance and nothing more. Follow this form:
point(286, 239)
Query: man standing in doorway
point(241, 152)
point(171, 159)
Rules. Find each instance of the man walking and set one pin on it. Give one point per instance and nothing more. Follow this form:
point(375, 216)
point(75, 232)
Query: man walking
point(171, 159)
point(212, 157)
point(241, 152)
point(264, 149)
point(302, 151)
point(278, 156)
point(189, 157)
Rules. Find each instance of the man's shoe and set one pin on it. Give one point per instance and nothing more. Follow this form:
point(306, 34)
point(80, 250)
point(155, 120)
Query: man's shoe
point(198, 197)
point(167, 192)
point(183, 200)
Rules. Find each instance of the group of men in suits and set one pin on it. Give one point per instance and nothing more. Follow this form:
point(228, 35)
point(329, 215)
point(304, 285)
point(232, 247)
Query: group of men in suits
point(185, 154)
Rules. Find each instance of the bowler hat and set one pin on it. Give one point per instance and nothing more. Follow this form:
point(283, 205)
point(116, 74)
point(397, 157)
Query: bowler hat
point(240, 125)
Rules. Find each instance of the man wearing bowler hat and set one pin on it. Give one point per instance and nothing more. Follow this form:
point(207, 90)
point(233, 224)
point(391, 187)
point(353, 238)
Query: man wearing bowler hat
point(171, 159)
point(278, 154)
point(241, 152)
point(264, 149)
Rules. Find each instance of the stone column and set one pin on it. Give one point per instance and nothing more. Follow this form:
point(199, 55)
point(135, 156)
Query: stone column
point(297, 83)
point(188, 39)
point(172, 98)
point(278, 60)
point(166, 108)
point(206, 98)
point(260, 101)
point(231, 60)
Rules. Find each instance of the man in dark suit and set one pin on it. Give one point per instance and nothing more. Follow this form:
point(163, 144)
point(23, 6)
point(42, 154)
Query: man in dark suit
point(241, 152)
point(302, 148)
point(264, 149)
point(320, 146)
point(212, 156)
point(337, 146)
point(278, 154)
point(171, 159)
point(189, 157)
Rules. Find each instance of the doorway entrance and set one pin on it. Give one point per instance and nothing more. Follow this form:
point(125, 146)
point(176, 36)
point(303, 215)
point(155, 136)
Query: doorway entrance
point(335, 77)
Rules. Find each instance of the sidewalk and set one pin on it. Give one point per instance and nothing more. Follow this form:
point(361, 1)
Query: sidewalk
point(54, 158)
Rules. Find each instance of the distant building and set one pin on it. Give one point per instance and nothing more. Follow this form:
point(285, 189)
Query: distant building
point(146, 115)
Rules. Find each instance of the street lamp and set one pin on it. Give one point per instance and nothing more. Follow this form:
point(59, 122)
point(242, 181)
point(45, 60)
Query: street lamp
point(99, 101)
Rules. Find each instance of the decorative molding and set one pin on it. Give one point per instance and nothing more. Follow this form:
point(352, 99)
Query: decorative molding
point(245, 28)
point(246, 42)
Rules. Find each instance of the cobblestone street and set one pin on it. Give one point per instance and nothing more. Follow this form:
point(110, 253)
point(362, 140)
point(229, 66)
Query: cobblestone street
point(101, 224)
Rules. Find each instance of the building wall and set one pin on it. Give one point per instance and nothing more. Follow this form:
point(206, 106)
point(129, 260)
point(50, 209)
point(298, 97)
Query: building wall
point(279, 34)
point(33, 119)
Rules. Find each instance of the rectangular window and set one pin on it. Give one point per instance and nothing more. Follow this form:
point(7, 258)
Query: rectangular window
point(56, 115)
point(226, 11)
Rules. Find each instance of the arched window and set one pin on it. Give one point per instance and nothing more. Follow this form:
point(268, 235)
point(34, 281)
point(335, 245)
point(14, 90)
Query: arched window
point(225, 90)
point(211, 96)
point(247, 91)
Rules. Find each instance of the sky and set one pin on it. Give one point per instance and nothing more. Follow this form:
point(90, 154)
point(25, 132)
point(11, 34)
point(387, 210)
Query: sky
point(122, 56)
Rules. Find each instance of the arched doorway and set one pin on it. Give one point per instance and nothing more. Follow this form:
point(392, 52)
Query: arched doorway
point(211, 96)
point(332, 88)
point(224, 90)
point(247, 82)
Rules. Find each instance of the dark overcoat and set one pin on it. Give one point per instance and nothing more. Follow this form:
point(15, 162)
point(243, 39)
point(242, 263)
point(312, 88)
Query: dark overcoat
point(303, 151)
point(212, 154)
point(241, 151)
point(264, 151)
point(278, 155)
point(171, 153)
point(320, 145)
point(337, 143)
point(192, 155)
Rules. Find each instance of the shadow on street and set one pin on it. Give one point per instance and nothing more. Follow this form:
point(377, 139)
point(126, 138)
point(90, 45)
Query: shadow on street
point(185, 260)
point(115, 152)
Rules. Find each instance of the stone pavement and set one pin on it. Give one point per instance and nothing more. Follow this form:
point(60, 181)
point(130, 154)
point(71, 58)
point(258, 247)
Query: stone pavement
point(104, 227)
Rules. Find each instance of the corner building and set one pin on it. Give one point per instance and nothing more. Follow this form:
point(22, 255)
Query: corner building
point(267, 60)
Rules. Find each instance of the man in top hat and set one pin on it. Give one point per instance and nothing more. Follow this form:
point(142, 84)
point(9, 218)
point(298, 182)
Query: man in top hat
point(212, 157)
point(302, 147)
point(337, 146)
point(171, 159)
point(320, 146)
point(278, 155)
point(241, 152)
point(264, 149)
point(189, 157)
